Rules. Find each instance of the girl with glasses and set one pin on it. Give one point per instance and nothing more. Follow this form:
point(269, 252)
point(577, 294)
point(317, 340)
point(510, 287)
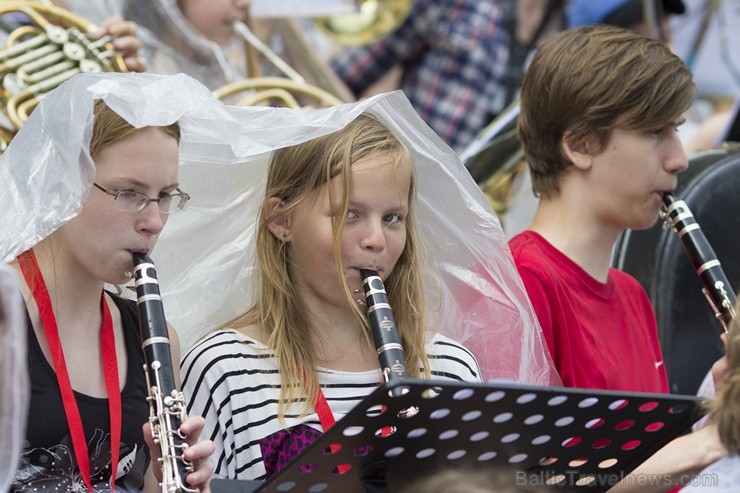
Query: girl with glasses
point(88, 407)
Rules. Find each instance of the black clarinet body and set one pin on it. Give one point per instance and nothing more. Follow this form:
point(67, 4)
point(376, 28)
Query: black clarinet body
point(717, 290)
point(383, 326)
point(167, 408)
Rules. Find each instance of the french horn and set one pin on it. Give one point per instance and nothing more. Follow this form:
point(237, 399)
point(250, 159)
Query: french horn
point(50, 46)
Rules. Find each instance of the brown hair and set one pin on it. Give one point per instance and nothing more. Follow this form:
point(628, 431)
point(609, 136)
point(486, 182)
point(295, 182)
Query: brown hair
point(589, 81)
point(725, 407)
point(109, 127)
point(296, 174)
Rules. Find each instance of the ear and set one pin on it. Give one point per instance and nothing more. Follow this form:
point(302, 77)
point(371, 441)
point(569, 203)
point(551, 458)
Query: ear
point(280, 228)
point(579, 150)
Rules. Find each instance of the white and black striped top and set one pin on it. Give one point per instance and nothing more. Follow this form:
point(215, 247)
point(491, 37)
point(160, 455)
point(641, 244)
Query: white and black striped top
point(233, 382)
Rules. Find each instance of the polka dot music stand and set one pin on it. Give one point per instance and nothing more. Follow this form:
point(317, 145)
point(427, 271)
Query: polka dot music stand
point(570, 439)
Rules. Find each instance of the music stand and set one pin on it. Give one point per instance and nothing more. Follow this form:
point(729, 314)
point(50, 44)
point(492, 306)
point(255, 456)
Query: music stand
point(571, 439)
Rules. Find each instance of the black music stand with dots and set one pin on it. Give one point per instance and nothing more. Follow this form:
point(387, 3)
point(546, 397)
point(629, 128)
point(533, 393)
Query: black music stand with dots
point(560, 438)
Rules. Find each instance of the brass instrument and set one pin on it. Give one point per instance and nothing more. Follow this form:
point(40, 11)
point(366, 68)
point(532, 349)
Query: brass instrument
point(5, 137)
point(496, 158)
point(54, 46)
point(375, 19)
point(260, 89)
point(278, 91)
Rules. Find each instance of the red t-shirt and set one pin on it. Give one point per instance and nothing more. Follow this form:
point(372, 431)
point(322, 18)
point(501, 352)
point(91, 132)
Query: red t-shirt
point(600, 335)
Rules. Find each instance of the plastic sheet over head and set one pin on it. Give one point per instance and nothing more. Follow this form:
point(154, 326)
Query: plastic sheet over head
point(206, 258)
point(46, 172)
point(205, 255)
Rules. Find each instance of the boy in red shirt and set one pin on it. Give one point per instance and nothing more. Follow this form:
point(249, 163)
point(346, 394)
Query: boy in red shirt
point(599, 112)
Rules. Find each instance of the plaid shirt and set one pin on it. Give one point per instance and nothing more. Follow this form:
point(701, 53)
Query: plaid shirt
point(455, 55)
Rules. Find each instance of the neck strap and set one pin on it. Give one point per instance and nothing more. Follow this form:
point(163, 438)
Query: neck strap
point(35, 281)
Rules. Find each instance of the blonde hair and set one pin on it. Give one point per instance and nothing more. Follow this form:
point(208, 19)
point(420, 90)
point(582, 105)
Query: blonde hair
point(725, 407)
point(296, 175)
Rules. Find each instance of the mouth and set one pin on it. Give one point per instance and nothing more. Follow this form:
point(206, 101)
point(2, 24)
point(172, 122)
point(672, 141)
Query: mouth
point(668, 191)
point(663, 193)
point(375, 269)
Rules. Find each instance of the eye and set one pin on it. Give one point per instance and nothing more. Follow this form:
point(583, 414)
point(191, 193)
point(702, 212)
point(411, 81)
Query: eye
point(666, 129)
point(393, 218)
point(352, 214)
point(165, 199)
point(127, 195)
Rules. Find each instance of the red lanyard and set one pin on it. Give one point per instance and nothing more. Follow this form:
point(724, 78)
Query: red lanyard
point(326, 417)
point(34, 279)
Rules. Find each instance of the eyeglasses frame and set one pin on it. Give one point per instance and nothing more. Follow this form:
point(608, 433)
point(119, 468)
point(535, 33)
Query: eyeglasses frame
point(114, 193)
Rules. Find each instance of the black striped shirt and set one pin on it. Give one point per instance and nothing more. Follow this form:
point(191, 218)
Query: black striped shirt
point(233, 382)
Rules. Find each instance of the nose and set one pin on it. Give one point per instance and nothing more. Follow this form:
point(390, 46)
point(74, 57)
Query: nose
point(150, 219)
point(373, 237)
point(676, 161)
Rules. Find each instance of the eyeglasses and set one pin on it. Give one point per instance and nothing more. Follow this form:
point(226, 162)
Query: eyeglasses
point(130, 201)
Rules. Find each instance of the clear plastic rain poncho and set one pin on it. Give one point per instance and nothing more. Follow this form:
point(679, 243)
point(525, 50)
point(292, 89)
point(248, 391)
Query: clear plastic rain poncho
point(205, 255)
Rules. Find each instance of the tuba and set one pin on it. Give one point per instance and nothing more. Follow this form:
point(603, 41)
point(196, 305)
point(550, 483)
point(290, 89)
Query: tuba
point(49, 46)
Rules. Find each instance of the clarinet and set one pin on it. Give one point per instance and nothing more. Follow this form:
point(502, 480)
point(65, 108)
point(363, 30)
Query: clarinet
point(677, 216)
point(166, 403)
point(385, 335)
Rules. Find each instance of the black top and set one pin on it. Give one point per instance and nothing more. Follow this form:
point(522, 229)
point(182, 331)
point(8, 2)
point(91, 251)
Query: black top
point(48, 462)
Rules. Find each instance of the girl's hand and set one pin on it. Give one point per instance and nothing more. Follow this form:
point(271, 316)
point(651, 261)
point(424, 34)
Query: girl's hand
point(197, 453)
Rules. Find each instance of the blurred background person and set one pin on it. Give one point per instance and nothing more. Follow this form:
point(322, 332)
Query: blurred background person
point(454, 58)
point(706, 39)
point(196, 37)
